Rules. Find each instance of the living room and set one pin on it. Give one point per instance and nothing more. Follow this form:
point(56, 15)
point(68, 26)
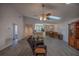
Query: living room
point(22, 21)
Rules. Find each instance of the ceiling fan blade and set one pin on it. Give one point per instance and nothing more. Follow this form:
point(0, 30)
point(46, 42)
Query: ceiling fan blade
point(54, 17)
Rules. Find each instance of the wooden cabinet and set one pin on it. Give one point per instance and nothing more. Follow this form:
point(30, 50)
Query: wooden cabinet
point(74, 34)
point(77, 44)
point(72, 41)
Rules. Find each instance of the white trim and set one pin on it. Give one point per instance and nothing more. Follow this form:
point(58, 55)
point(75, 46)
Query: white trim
point(5, 46)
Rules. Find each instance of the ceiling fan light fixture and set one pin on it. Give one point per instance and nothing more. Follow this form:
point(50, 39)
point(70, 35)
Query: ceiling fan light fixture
point(41, 18)
point(45, 18)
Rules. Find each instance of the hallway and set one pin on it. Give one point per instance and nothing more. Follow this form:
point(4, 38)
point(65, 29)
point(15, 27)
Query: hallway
point(54, 48)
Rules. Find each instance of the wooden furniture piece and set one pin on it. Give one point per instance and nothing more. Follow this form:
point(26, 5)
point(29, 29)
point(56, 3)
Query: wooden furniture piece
point(40, 50)
point(55, 35)
point(38, 46)
point(74, 34)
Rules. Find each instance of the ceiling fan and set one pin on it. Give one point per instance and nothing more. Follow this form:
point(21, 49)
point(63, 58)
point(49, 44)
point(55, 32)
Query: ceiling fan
point(48, 16)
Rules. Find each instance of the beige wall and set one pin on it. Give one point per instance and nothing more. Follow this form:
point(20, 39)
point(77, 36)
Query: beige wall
point(28, 30)
point(8, 17)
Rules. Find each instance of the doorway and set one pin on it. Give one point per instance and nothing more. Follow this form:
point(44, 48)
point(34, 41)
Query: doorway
point(15, 35)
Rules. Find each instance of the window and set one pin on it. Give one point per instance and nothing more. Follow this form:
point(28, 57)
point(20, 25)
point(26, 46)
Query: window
point(39, 27)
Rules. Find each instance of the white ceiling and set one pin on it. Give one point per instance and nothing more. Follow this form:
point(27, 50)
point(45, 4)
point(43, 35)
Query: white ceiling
point(33, 10)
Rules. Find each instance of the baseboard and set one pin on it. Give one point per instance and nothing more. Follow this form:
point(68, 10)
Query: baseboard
point(5, 46)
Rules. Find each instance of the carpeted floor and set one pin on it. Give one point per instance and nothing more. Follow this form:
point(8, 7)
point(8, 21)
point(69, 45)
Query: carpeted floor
point(54, 48)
